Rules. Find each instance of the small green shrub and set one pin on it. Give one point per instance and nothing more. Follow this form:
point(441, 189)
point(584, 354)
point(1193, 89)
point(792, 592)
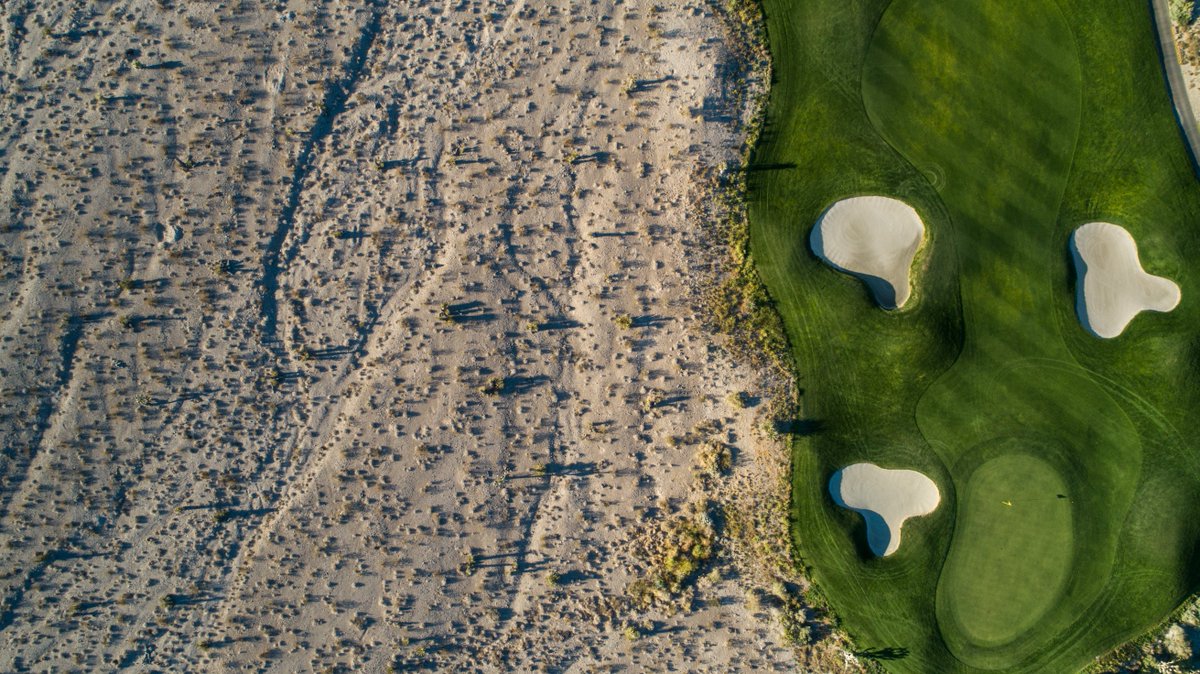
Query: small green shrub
point(738, 400)
point(684, 544)
point(1181, 12)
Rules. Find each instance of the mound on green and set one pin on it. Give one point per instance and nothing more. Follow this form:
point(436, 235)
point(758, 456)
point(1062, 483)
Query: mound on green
point(1006, 126)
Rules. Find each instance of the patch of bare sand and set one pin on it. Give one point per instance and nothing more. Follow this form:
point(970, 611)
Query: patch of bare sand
point(874, 238)
point(885, 498)
point(1112, 286)
point(310, 356)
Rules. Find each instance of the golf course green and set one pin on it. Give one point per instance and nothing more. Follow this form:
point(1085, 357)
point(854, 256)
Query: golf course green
point(1069, 474)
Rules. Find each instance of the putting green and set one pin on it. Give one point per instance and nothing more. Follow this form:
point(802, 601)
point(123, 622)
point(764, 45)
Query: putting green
point(1015, 552)
point(1005, 125)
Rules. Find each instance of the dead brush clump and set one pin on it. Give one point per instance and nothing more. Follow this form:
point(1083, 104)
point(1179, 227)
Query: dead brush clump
point(1187, 42)
point(677, 548)
point(713, 459)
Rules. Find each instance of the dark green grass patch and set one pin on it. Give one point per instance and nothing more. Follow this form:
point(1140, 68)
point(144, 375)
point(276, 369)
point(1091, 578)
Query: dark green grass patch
point(1006, 125)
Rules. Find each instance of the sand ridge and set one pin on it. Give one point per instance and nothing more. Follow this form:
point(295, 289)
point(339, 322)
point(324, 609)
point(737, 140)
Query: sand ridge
point(874, 238)
point(885, 498)
point(1112, 286)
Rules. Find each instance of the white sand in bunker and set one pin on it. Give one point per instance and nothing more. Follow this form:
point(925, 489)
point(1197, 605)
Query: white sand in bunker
point(1113, 288)
point(885, 498)
point(874, 238)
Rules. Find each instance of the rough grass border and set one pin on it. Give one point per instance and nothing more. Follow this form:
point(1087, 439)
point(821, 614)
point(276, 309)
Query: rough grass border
point(739, 308)
point(1139, 654)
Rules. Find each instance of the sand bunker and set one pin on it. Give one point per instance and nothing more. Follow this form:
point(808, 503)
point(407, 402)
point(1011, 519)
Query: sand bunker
point(1113, 288)
point(885, 498)
point(873, 238)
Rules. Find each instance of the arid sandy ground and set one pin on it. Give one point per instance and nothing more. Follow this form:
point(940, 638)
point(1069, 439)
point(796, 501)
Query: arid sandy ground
point(348, 336)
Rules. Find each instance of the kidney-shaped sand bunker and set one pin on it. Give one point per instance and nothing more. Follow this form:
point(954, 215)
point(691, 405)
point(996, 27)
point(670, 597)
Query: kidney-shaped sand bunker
point(874, 238)
point(885, 498)
point(1113, 288)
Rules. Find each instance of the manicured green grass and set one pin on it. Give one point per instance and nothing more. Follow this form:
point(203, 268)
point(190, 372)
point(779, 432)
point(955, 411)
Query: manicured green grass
point(1006, 125)
point(1016, 522)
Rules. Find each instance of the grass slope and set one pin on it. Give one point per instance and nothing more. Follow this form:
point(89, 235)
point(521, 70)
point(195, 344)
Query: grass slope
point(1005, 125)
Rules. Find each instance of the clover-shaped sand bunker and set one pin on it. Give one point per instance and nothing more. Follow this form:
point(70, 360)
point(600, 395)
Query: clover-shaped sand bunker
point(874, 238)
point(1113, 288)
point(885, 498)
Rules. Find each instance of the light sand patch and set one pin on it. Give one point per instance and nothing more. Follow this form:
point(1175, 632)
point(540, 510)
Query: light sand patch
point(1113, 288)
point(885, 498)
point(874, 238)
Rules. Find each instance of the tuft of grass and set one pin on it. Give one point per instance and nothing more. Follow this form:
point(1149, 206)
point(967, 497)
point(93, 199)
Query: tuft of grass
point(1181, 12)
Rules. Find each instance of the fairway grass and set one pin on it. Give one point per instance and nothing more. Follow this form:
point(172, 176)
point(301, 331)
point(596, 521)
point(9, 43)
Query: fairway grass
point(1005, 126)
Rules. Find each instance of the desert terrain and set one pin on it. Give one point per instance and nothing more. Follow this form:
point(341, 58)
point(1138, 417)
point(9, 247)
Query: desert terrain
point(371, 337)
